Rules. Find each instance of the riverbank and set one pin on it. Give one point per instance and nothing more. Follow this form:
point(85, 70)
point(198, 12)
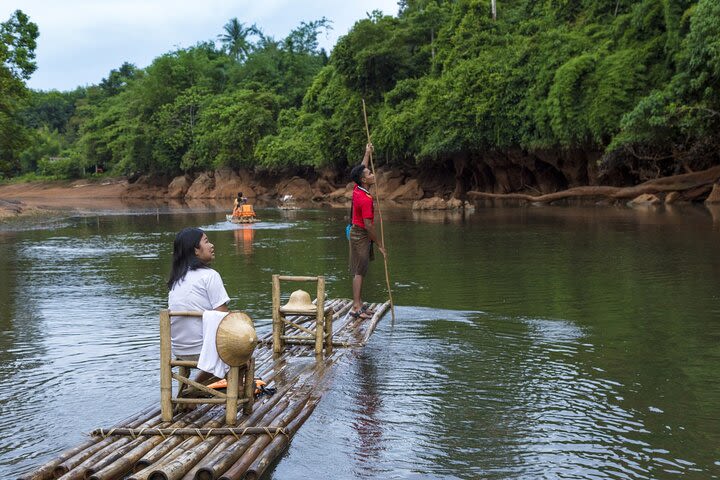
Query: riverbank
point(47, 198)
point(417, 190)
point(319, 188)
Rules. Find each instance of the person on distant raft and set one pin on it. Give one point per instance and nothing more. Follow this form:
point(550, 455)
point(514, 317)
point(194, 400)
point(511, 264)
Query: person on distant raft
point(239, 200)
point(362, 232)
point(194, 286)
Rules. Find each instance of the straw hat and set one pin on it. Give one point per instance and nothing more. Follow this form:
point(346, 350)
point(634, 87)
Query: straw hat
point(236, 339)
point(300, 303)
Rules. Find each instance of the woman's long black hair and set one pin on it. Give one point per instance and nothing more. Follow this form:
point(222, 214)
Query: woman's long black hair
point(184, 259)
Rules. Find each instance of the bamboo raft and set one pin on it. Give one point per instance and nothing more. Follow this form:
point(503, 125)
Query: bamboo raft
point(197, 444)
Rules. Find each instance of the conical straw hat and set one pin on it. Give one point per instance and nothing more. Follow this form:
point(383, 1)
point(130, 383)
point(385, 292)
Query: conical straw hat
point(300, 303)
point(236, 339)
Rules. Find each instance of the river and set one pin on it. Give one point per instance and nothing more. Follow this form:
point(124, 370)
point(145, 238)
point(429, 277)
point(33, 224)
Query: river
point(530, 342)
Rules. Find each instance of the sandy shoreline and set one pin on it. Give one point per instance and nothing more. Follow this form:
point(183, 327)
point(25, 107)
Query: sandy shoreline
point(53, 198)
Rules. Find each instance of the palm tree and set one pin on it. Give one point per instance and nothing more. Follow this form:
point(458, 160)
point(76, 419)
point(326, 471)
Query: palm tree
point(236, 40)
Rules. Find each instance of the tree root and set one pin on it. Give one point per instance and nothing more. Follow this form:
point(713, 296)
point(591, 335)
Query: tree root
point(693, 185)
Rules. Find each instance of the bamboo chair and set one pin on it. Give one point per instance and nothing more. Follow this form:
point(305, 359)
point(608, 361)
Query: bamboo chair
point(237, 393)
point(320, 336)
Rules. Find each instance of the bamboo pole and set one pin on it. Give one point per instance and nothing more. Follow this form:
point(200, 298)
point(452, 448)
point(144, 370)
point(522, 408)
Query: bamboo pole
point(295, 278)
point(382, 232)
point(233, 387)
point(191, 474)
point(86, 458)
point(328, 333)
point(249, 386)
point(277, 323)
point(171, 455)
point(375, 320)
point(240, 467)
point(165, 368)
point(190, 431)
point(161, 449)
point(125, 464)
point(319, 324)
point(311, 342)
point(183, 463)
point(278, 444)
point(218, 462)
point(45, 471)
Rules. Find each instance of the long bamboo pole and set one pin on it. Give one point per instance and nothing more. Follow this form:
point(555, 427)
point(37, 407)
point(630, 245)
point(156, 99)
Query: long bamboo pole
point(159, 451)
point(219, 461)
point(75, 467)
point(218, 419)
point(46, 471)
point(382, 232)
point(237, 470)
point(278, 444)
point(111, 470)
point(376, 318)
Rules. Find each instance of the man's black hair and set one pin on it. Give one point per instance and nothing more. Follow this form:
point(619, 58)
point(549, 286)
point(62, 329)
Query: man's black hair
point(356, 174)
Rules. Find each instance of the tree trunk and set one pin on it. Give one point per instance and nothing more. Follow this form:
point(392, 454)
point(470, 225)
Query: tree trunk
point(694, 185)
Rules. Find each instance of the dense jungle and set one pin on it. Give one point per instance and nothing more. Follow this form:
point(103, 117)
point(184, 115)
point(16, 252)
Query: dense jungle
point(546, 96)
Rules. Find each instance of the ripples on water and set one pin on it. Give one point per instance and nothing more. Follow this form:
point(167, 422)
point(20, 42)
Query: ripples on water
point(599, 390)
point(516, 396)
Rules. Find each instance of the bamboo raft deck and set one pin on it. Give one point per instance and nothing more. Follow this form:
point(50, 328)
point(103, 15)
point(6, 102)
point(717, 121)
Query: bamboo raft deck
point(197, 444)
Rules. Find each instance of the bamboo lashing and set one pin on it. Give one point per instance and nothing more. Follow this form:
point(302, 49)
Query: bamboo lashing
point(201, 432)
point(382, 232)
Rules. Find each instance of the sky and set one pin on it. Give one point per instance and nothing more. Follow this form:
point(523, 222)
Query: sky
point(82, 40)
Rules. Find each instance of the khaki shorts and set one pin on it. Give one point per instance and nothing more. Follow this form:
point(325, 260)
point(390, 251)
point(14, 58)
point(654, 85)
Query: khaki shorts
point(361, 251)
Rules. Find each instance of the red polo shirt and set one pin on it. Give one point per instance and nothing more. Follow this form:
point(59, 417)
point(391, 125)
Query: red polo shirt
point(362, 207)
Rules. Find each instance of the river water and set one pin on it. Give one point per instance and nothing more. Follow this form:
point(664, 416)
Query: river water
point(535, 342)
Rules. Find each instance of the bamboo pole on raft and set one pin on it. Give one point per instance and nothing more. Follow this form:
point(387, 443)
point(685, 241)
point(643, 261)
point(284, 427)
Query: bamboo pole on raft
point(382, 232)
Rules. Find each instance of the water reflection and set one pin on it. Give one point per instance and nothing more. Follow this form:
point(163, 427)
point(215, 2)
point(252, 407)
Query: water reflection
point(367, 424)
point(441, 216)
point(244, 236)
point(714, 210)
point(529, 342)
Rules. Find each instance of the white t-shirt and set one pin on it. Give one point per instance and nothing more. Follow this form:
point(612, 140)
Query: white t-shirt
point(200, 290)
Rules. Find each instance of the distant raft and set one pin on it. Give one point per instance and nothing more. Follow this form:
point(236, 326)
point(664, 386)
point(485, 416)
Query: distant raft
point(243, 214)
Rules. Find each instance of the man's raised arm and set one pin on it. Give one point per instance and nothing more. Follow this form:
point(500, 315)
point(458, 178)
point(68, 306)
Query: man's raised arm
point(368, 152)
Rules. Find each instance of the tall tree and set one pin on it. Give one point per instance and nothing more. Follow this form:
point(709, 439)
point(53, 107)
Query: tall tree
point(17, 62)
point(236, 39)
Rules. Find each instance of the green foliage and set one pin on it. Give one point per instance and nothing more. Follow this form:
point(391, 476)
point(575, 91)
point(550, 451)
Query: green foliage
point(297, 142)
point(60, 168)
point(17, 54)
point(231, 125)
point(441, 80)
point(45, 144)
point(684, 113)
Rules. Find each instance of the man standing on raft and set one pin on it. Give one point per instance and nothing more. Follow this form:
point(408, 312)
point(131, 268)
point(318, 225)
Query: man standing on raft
point(362, 232)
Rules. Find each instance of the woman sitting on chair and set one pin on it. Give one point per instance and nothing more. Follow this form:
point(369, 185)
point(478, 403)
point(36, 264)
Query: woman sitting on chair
point(194, 286)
